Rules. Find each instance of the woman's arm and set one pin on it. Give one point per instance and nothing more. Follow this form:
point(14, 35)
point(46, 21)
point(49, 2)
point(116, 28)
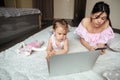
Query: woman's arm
point(86, 44)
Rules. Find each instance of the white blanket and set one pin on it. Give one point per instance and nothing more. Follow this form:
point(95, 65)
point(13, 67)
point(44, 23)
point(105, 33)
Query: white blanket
point(14, 66)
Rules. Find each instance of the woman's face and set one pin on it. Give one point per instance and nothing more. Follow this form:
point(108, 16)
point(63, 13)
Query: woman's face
point(99, 18)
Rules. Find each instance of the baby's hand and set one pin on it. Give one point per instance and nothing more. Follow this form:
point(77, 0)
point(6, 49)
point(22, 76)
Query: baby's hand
point(50, 54)
point(53, 52)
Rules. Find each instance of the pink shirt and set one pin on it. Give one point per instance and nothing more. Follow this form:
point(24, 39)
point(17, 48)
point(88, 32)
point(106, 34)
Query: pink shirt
point(94, 38)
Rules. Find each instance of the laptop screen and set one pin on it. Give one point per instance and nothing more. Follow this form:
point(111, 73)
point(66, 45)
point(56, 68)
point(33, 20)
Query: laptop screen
point(64, 64)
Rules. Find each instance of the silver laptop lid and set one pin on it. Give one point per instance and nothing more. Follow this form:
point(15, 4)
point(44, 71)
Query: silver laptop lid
point(72, 63)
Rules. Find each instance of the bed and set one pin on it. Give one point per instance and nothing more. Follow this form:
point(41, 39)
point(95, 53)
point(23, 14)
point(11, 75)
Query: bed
point(15, 22)
point(15, 66)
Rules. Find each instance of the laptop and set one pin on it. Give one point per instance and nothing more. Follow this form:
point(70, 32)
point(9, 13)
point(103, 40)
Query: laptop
point(65, 64)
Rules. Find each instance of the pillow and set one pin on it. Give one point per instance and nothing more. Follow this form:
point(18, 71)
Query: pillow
point(114, 44)
point(112, 74)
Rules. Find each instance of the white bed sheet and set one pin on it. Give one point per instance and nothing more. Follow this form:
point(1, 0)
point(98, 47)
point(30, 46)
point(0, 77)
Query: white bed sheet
point(14, 66)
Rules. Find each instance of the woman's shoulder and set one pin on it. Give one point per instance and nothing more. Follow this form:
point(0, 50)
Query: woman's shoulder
point(81, 30)
point(85, 21)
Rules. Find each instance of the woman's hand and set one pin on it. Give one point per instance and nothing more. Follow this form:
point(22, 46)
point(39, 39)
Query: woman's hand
point(101, 45)
point(103, 51)
point(92, 48)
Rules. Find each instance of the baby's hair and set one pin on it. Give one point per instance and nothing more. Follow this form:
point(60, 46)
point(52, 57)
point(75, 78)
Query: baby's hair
point(63, 22)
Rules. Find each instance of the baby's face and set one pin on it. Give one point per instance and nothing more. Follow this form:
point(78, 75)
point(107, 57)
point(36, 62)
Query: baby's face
point(60, 33)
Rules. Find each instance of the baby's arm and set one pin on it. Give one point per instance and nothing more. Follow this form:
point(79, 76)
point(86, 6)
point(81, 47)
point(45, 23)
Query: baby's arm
point(49, 47)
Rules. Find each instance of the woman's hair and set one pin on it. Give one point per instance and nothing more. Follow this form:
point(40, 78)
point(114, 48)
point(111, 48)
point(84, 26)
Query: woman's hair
point(102, 7)
point(63, 22)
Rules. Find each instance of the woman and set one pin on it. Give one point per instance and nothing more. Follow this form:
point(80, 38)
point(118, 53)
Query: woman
point(95, 31)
